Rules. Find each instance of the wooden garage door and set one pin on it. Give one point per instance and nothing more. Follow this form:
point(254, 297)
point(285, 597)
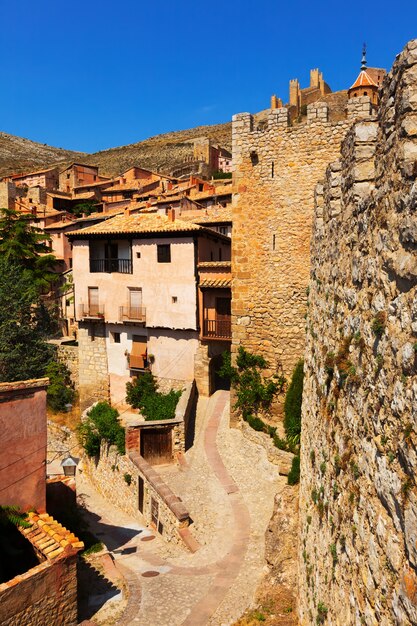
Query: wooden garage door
point(156, 445)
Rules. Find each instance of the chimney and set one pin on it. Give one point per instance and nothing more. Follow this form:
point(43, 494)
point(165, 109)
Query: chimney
point(171, 215)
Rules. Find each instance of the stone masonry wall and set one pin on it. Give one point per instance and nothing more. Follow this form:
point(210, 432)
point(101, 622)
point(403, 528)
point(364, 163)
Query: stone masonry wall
point(108, 473)
point(68, 355)
point(358, 496)
point(276, 170)
point(45, 594)
point(93, 374)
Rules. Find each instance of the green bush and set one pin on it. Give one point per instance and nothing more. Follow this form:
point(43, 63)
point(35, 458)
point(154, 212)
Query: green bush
point(102, 424)
point(294, 473)
point(254, 393)
point(142, 386)
point(59, 393)
point(143, 394)
point(256, 423)
point(292, 405)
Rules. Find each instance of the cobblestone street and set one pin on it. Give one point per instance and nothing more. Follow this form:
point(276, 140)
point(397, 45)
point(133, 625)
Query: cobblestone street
point(228, 485)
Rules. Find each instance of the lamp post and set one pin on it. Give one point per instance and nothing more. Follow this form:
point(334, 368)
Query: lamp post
point(69, 465)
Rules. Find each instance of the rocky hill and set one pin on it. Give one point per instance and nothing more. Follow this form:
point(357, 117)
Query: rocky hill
point(162, 151)
point(23, 155)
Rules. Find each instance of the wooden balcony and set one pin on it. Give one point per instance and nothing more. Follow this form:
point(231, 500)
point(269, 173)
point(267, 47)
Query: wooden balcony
point(217, 329)
point(119, 266)
point(91, 311)
point(132, 314)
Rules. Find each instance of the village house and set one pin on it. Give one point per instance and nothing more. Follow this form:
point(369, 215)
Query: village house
point(46, 178)
point(137, 300)
point(38, 561)
point(77, 174)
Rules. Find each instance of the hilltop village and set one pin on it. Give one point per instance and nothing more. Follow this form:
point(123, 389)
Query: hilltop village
point(204, 291)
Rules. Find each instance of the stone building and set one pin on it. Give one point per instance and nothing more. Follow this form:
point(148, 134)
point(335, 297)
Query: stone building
point(275, 170)
point(137, 280)
point(358, 502)
point(38, 574)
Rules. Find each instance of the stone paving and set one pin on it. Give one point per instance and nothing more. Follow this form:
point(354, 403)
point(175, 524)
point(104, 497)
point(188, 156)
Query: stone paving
point(228, 485)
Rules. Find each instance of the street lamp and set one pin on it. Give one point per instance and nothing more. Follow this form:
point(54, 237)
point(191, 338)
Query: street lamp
point(69, 465)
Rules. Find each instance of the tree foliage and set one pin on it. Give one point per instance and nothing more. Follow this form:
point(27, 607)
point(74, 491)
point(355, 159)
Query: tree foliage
point(24, 325)
point(60, 392)
point(293, 402)
point(23, 244)
point(102, 424)
point(10, 514)
point(143, 394)
point(254, 393)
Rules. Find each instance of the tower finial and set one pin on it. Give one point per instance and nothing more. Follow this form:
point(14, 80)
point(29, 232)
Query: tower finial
point(363, 64)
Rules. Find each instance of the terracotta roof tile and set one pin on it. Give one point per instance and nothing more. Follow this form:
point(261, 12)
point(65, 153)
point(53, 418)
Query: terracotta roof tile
point(137, 223)
point(364, 80)
point(49, 536)
point(216, 282)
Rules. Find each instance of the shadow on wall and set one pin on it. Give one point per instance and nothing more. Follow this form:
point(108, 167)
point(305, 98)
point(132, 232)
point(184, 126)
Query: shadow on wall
point(93, 590)
point(190, 426)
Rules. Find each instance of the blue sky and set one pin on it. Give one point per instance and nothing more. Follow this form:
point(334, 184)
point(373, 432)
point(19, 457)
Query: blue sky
point(89, 75)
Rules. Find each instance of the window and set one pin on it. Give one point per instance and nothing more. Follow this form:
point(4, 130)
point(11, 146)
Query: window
point(138, 255)
point(223, 230)
point(115, 337)
point(164, 253)
point(272, 169)
point(174, 299)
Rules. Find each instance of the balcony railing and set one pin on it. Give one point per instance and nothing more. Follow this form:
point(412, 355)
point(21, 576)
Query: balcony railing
point(217, 329)
point(137, 362)
point(121, 266)
point(91, 311)
point(132, 313)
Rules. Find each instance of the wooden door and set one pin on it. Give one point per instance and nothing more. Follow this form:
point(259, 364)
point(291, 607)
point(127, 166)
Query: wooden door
point(141, 489)
point(156, 445)
point(93, 305)
point(135, 304)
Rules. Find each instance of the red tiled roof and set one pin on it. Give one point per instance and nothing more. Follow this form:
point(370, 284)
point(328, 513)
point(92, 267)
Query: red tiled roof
point(364, 80)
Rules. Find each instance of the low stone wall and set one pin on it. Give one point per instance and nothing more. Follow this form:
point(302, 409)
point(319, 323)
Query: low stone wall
point(276, 456)
point(109, 475)
point(46, 593)
point(68, 355)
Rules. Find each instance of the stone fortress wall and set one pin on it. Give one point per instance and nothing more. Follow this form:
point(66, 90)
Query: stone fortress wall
point(275, 172)
point(358, 496)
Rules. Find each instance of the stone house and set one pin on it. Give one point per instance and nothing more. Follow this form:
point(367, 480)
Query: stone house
point(46, 178)
point(77, 174)
point(139, 304)
point(38, 578)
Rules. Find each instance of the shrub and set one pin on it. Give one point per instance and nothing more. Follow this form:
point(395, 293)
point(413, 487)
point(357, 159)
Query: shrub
point(378, 323)
point(143, 385)
point(322, 611)
point(59, 392)
point(143, 394)
point(102, 424)
point(128, 478)
point(254, 393)
point(292, 405)
point(294, 473)
point(256, 423)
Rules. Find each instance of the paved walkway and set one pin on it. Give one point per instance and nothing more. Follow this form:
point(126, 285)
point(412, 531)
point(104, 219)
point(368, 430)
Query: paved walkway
point(228, 486)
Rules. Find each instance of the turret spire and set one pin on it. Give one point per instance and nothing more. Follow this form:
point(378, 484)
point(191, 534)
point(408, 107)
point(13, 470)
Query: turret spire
point(363, 64)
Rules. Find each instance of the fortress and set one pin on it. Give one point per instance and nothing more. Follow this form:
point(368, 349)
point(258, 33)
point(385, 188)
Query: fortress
point(276, 167)
point(351, 310)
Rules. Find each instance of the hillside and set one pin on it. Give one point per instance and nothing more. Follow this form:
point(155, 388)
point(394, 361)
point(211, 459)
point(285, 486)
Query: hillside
point(162, 151)
point(22, 155)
